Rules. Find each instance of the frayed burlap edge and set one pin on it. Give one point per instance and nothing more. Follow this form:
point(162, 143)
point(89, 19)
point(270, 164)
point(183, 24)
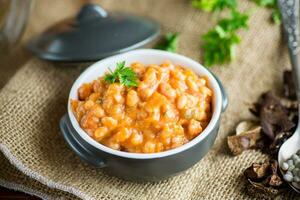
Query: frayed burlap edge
point(20, 166)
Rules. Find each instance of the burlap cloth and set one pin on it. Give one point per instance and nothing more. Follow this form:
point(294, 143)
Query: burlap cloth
point(36, 159)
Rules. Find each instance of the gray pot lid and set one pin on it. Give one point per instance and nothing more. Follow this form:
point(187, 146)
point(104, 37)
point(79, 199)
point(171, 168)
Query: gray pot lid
point(93, 34)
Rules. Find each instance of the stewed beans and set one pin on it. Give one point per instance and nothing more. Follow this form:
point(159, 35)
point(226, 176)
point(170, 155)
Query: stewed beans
point(170, 106)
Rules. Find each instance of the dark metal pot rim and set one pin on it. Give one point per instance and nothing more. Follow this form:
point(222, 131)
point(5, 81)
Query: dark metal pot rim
point(148, 56)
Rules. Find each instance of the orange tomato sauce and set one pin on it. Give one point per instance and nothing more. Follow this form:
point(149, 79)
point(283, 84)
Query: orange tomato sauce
point(171, 106)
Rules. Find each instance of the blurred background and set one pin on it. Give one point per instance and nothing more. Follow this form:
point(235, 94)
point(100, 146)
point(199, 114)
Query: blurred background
point(21, 20)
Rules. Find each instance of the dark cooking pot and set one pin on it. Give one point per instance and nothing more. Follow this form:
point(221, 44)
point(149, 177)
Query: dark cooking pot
point(142, 166)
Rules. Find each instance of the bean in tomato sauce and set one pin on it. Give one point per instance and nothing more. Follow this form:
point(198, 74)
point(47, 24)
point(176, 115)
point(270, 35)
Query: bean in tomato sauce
point(170, 106)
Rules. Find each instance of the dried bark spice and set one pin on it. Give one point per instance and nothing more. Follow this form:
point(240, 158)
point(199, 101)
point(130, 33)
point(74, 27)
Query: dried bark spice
point(280, 138)
point(292, 107)
point(257, 170)
point(264, 177)
point(273, 115)
point(255, 187)
point(274, 179)
point(251, 139)
point(278, 118)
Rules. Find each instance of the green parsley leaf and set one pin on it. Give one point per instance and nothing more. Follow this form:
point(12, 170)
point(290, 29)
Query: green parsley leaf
point(220, 43)
point(272, 4)
point(276, 16)
point(170, 42)
point(219, 48)
point(124, 75)
point(238, 20)
point(265, 3)
point(213, 5)
point(128, 77)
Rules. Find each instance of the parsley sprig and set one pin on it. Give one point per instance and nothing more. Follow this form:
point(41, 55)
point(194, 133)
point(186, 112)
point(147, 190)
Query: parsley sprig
point(213, 5)
point(272, 4)
point(169, 43)
point(219, 44)
point(122, 74)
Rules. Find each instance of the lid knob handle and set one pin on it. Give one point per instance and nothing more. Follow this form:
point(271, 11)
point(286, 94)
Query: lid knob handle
point(90, 11)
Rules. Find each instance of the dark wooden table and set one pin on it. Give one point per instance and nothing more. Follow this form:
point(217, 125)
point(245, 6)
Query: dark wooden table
point(6, 194)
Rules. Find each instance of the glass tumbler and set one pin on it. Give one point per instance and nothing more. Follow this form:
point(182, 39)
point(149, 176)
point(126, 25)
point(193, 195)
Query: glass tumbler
point(14, 15)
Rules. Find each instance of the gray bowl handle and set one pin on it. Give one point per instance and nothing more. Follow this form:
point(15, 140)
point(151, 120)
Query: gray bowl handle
point(80, 150)
point(223, 91)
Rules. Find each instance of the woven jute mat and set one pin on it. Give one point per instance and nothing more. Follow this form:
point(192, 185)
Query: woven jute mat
point(35, 158)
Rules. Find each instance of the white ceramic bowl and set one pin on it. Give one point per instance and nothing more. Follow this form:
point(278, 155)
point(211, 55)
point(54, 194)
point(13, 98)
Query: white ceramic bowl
point(147, 56)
